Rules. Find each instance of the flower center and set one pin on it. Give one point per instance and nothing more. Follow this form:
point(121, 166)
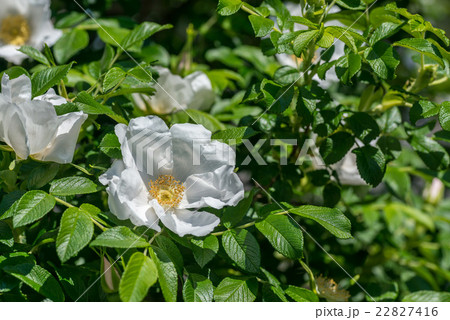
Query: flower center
point(167, 191)
point(15, 30)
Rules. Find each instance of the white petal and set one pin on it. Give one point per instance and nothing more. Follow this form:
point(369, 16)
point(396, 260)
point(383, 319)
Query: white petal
point(172, 92)
point(10, 54)
point(203, 92)
point(41, 124)
point(194, 152)
point(41, 25)
point(62, 148)
point(184, 222)
point(12, 128)
point(52, 97)
point(128, 196)
point(216, 189)
point(17, 90)
point(146, 144)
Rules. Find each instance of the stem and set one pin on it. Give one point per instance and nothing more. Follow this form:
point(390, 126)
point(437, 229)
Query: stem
point(64, 90)
point(312, 280)
point(327, 10)
point(245, 8)
point(68, 205)
point(154, 237)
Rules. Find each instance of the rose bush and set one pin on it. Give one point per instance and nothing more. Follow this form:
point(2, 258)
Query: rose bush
point(224, 151)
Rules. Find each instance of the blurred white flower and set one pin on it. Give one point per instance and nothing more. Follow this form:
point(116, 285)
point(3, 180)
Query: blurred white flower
point(189, 171)
point(25, 22)
point(175, 93)
point(32, 127)
point(434, 192)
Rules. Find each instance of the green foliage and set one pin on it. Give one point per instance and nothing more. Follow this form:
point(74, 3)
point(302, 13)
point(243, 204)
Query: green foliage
point(338, 119)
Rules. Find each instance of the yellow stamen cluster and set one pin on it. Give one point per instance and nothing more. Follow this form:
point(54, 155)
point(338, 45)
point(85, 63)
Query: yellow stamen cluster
point(329, 290)
point(15, 30)
point(167, 191)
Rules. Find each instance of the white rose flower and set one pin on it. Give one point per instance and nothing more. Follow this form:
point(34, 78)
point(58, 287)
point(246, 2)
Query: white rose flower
point(191, 171)
point(25, 22)
point(32, 127)
point(195, 91)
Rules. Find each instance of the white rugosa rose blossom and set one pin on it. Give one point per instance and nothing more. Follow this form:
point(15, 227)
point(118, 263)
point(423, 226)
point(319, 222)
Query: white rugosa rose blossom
point(169, 174)
point(195, 91)
point(25, 22)
point(32, 128)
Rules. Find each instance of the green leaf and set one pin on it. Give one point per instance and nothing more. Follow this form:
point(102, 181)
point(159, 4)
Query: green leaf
point(205, 249)
point(110, 146)
point(303, 40)
point(371, 164)
point(171, 250)
point(286, 75)
point(331, 219)
point(35, 54)
point(31, 207)
point(42, 81)
point(346, 35)
point(75, 231)
point(348, 66)
point(444, 116)
point(422, 46)
point(141, 33)
point(119, 237)
point(72, 186)
point(431, 152)
point(198, 288)
point(422, 109)
point(262, 26)
point(427, 296)
point(140, 274)
point(228, 7)
point(242, 247)
point(89, 105)
point(6, 235)
point(234, 136)
point(234, 290)
point(336, 146)
point(70, 44)
point(112, 78)
point(205, 119)
point(283, 234)
point(168, 278)
point(383, 59)
point(301, 294)
point(364, 126)
point(42, 175)
point(37, 278)
point(385, 30)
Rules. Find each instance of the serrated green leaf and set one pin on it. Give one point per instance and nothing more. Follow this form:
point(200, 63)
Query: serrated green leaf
point(283, 234)
point(112, 78)
point(71, 186)
point(35, 54)
point(427, 296)
point(383, 59)
point(142, 32)
point(228, 7)
point(261, 26)
point(444, 116)
point(89, 105)
point(302, 41)
point(171, 250)
point(42, 81)
point(32, 206)
point(422, 46)
point(348, 66)
point(371, 164)
point(234, 136)
point(336, 146)
point(6, 235)
point(110, 146)
point(167, 274)
point(198, 288)
point(331, 219)
point(119, 237)
point(205, 249)
point(234, 290)
point(301, 294)
point(75, 231)
point(422, 109)
point(431, 152)
point(242, 247)
point(140, 274)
